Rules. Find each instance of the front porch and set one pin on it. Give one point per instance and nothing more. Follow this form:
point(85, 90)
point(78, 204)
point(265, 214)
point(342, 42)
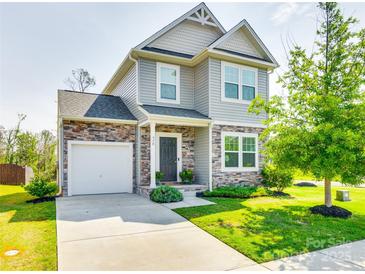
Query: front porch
point(170, 147)
point(146, 190)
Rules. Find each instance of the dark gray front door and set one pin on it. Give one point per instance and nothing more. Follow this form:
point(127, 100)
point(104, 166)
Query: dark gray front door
point(168, 158)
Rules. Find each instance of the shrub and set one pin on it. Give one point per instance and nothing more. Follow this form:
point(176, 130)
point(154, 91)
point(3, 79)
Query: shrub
point(41, 188)
point(236, 192)
point(159, 176)
point(186, 176)
point(274, 177)
point(166, 194)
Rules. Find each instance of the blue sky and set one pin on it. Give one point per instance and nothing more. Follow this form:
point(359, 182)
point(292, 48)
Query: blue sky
point(41, 43)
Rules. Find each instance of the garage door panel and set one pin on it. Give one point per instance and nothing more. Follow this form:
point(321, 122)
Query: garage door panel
point(101, 168)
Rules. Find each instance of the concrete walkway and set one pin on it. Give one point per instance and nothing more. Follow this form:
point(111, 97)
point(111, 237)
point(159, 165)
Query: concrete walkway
point(128, 232)
point(190, 200)
point(350, 257)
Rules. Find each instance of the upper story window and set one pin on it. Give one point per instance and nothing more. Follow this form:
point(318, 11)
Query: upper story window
point(239, 151)
point(239, 83)
point(168, 83)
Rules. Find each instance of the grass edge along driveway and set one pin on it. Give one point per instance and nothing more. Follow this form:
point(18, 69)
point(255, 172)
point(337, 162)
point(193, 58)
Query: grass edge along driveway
point(29, 228)
point(268, 228)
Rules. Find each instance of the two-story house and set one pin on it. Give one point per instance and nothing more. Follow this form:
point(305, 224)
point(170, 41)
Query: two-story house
point(179, 100)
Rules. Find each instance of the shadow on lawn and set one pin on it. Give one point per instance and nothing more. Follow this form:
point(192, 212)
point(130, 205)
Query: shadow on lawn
point(26, 212)
point(266, 234)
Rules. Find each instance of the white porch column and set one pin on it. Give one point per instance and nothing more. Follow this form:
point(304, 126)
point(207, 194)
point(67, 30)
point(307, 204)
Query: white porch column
point(153, 154)
point(210, 147)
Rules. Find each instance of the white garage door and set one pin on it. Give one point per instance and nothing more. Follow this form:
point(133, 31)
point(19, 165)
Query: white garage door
point(100, 167)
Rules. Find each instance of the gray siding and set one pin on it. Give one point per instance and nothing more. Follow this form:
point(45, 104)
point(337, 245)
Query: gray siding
point(201, 155)
point(233, 112)
point(148, 85)
point(201, 83)
point(187, 37)
point(127, 90)
point(239, 41)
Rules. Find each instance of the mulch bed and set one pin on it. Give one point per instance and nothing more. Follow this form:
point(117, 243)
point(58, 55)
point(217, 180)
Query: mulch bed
point(41, 200)
point(306, 184)
point(333, 211)
point(280, 194)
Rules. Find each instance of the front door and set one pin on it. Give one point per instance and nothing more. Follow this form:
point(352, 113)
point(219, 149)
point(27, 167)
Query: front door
point(168, 158)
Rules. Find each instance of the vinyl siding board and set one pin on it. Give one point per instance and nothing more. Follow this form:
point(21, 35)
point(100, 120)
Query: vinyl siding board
point(127, 90)
point(187, 37)
point(240, 42)
point(201, 83)
point(148, 85)
point(233, 112)
point(201, 155)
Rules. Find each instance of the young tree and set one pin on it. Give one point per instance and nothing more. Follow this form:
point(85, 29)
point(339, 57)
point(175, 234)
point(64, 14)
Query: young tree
point(81, 80)
point(321, 126)
point(46, 157)
point(26, 149)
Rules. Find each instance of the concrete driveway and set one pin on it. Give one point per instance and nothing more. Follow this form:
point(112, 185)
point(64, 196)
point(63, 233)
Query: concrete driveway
point(128, 232)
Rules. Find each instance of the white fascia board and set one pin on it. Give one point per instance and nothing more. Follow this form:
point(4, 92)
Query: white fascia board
point(176, 22)
point(251, 61)
point(238, 124)
point(172, 120)
point(115, 74)
point(99, 120)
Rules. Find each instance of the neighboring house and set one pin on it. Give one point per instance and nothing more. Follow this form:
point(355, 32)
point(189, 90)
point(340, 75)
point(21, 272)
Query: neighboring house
point(179, 100)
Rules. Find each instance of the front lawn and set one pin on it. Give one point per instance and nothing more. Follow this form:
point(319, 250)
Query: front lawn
point(29, 228)
point(268, 228)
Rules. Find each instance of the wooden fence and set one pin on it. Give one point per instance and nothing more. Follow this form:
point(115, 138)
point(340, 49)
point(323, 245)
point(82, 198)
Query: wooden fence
point(11, 174)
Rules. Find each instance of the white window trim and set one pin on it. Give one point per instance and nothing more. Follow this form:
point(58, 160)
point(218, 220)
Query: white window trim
point(158, 81)
point(178, 137)
point(240, 151)
point(240, 68)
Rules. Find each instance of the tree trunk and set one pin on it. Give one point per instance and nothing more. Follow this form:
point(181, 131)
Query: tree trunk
point(327, 193)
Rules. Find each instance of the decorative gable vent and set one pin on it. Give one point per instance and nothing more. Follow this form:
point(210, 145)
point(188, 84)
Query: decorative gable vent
point(202, 16)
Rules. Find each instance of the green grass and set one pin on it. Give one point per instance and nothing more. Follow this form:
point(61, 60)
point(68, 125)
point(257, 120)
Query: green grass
point(29, 228)
point(268, 228)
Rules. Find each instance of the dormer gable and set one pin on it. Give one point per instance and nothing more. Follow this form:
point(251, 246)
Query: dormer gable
point(242, 39)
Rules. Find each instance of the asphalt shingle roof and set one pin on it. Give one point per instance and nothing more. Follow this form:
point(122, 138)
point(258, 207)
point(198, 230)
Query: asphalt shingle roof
point(90, 105)
point(177, 112)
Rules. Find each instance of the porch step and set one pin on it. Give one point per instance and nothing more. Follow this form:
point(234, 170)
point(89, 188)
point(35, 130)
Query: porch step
point(185, 189)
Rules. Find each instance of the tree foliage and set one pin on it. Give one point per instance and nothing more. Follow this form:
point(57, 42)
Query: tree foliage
point(29, 149)
point(320, 126)
point(81, 80)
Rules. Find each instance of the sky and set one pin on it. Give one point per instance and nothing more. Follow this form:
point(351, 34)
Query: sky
point(40, 44)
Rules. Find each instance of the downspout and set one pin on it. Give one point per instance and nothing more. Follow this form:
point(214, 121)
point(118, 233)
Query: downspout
point(138, 128)
point(60, 155)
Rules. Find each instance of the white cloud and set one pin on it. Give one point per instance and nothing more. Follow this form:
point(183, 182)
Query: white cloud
point(285, 11)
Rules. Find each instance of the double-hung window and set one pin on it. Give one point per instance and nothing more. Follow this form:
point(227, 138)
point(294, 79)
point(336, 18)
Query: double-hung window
point(239, 83)
point(168, 83)
point(239, 151)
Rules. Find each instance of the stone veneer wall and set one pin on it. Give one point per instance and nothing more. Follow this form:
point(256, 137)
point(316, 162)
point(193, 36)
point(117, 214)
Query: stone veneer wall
point(102, 132)
point(226, 178)
point(187, 150)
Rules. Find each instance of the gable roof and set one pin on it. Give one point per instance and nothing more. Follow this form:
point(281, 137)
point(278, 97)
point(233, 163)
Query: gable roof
point(244, 24)
point(192, 14)
point(81, 105)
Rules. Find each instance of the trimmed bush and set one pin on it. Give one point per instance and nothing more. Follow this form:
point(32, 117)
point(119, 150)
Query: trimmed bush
point(166, 194)
point(186, 176)
point(237, 192)
point(41, 188)
point(274, 177)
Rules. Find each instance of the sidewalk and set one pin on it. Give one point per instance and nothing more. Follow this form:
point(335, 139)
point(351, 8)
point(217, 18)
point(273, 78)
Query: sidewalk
point(350, 257)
